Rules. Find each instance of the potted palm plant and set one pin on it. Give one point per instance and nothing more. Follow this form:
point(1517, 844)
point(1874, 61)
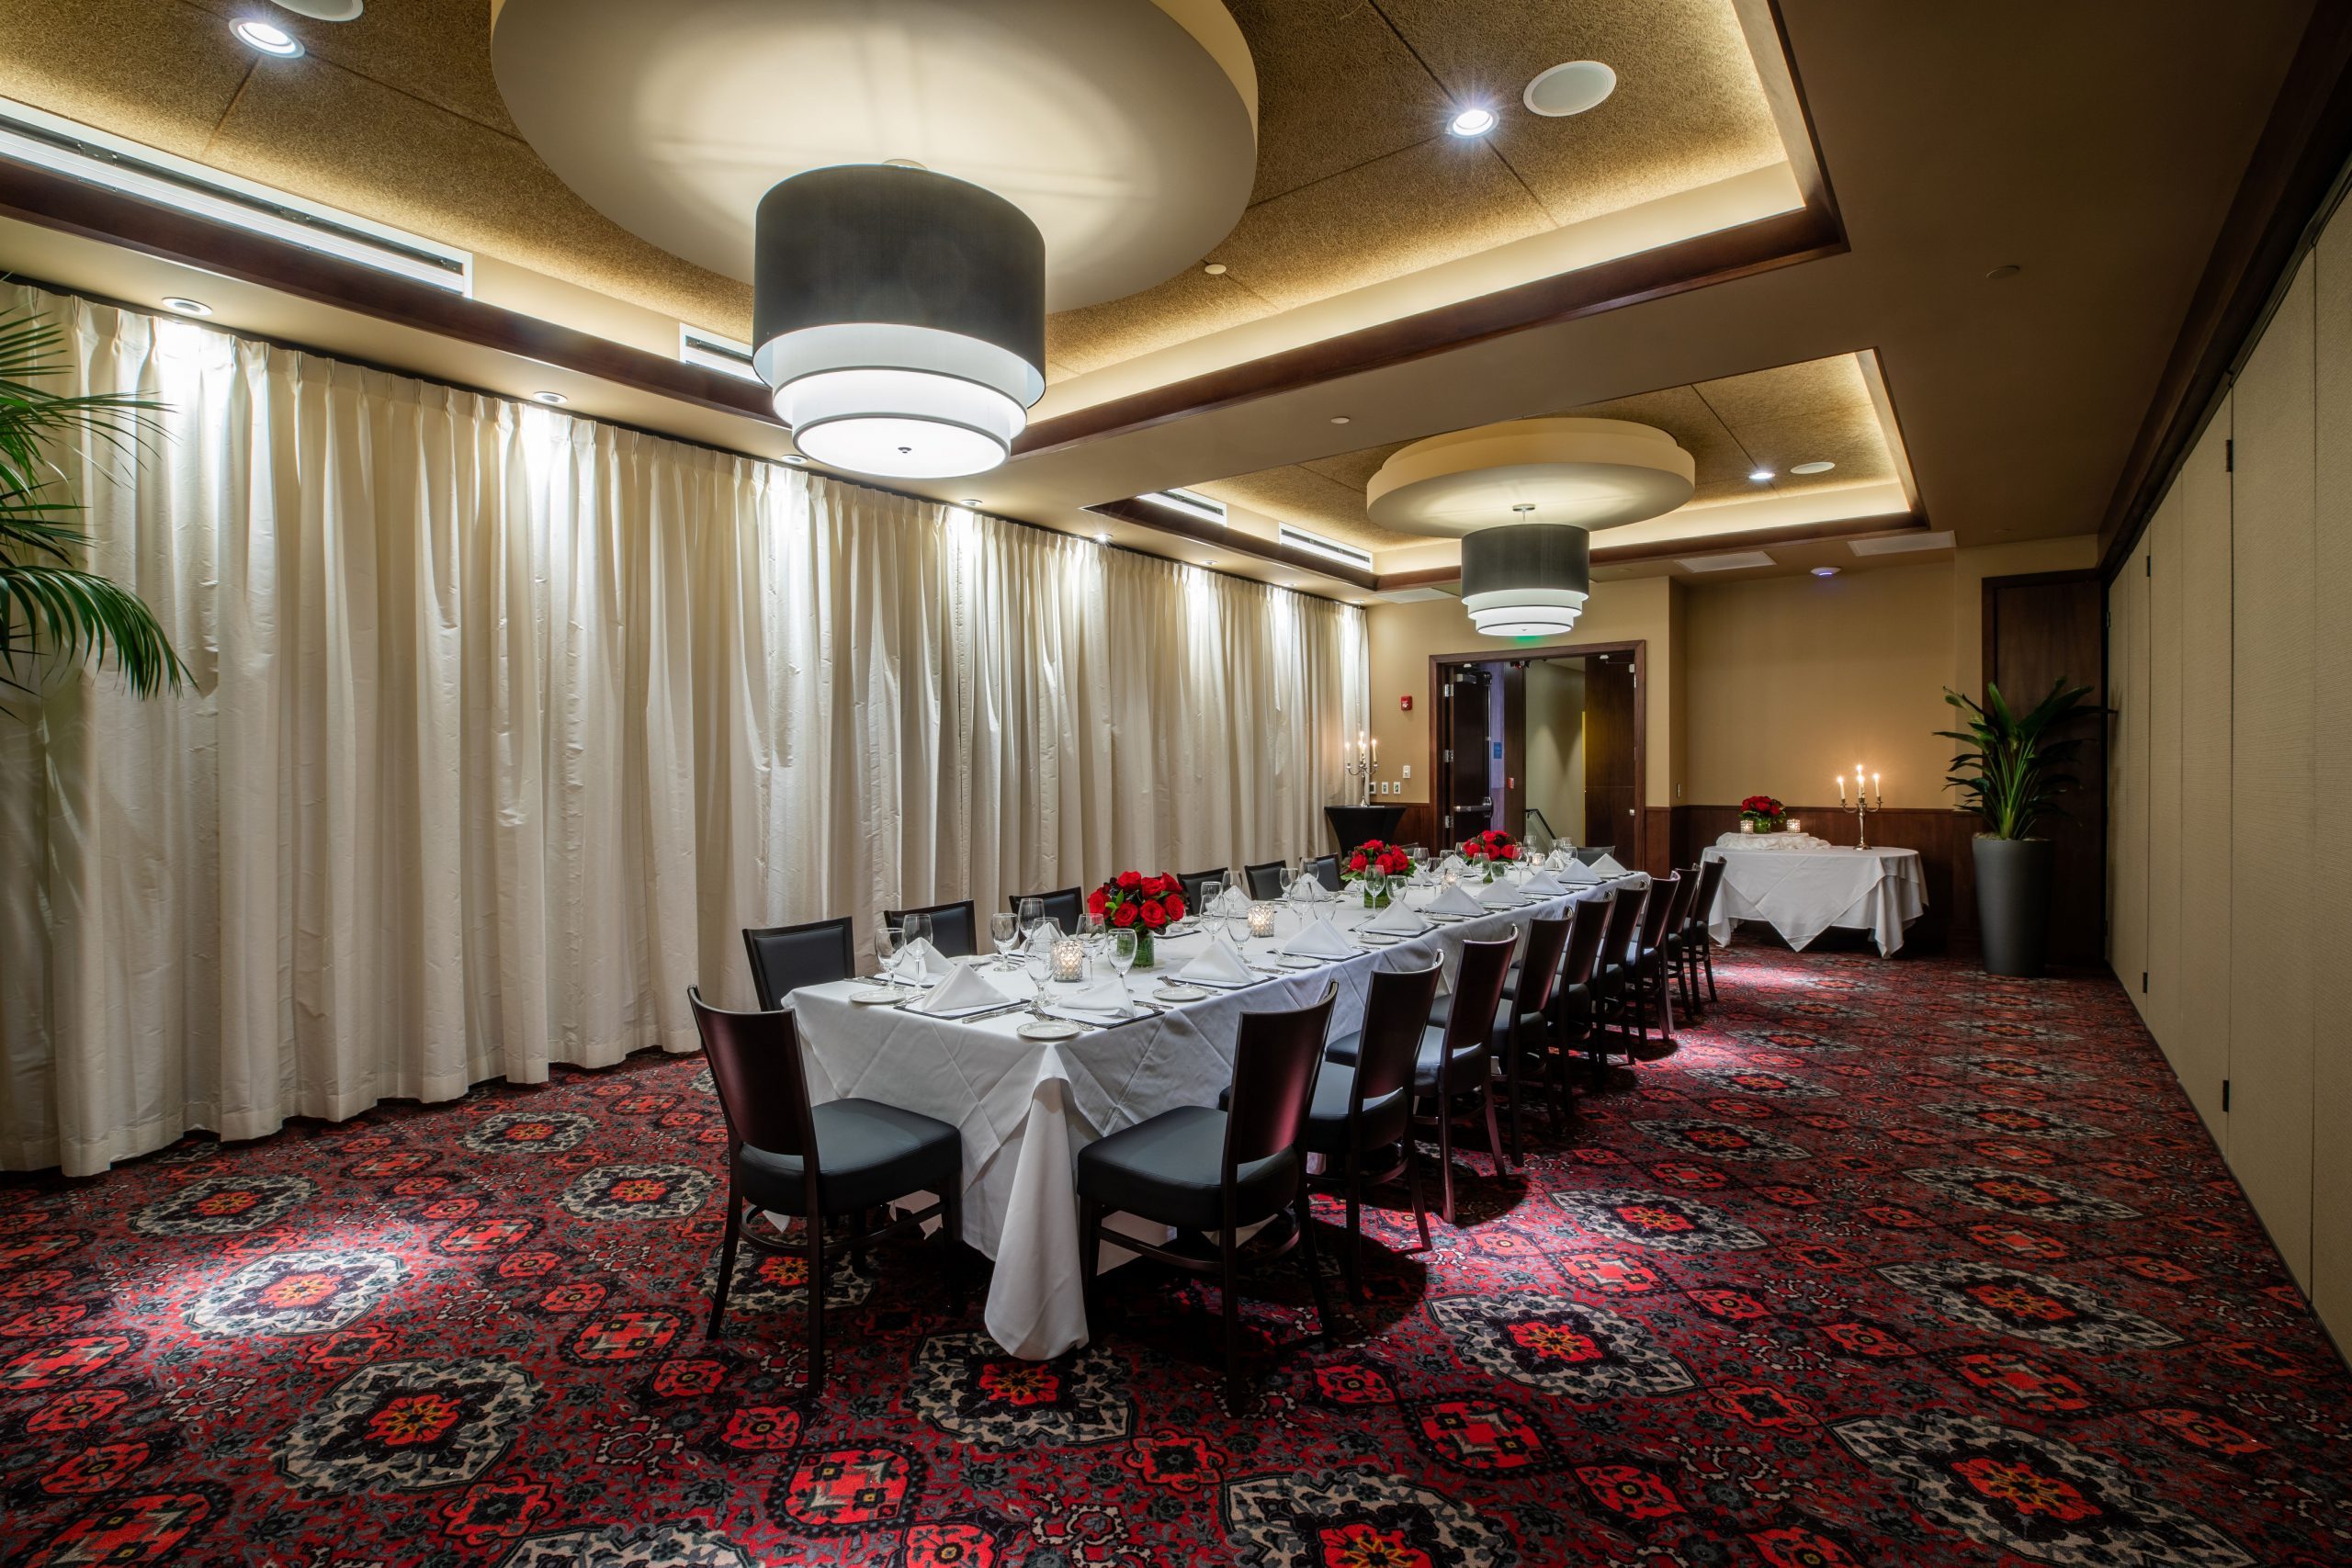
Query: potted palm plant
point(2010, 774)
point(51, 608)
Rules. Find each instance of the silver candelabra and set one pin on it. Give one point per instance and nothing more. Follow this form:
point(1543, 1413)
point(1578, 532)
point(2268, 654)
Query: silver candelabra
point(1366, 767)
point(1862, 809)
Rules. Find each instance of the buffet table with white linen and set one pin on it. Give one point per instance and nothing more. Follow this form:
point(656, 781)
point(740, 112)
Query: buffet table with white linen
point(1025, 1108)
point(1802, 891)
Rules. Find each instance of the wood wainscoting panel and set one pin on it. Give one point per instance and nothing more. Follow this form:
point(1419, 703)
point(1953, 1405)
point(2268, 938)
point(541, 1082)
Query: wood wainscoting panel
point(1944, 838)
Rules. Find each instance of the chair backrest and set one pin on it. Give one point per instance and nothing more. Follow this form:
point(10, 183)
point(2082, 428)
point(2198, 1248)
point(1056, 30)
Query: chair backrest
point(785, 958)
point(1396, 1014)
point(953, 931)
point(1678, 915)
point(1625, 914)
point(1265, 879)
point(1592, 852)
point(1192, 881)
point(1661, 904)
point(1703, 903)
point(1539, 966)
point(762, 1088)
point(1592, 917)
point(1477, 992)
point(1276, 1056)
point(1062, 908)
point(1325, 869)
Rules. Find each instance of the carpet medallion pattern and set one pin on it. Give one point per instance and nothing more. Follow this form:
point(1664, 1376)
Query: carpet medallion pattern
point(1886, 1263)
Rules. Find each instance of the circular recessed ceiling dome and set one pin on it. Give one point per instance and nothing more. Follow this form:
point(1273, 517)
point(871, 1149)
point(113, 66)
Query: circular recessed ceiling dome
point(1125, 129)
point(1570, 88)
point(1590, 473)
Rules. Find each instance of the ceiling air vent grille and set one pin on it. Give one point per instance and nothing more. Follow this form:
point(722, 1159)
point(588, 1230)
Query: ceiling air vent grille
point(723, 354)
point(1331, 549)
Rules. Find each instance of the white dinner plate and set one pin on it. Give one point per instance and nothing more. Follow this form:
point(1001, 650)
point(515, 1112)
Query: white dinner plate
point(876, 997)
point(1177, 991)
point(1051, 1029)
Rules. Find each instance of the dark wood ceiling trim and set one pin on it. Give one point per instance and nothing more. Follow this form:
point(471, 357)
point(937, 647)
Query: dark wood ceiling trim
point(1782, 240)
point(1776, 70)
point(1231, 541)
point(1713, 545)
point(2303, 150)
point(58, 202)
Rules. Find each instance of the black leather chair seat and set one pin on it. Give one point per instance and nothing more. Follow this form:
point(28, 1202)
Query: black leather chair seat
point(1384, 1119)
point(869, 1153)
point(1171, 1170)
point(1466, 1064)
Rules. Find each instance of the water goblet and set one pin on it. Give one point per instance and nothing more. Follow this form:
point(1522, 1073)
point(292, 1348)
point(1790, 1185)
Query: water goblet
point(1123, 953)
point(1033, 910)
point(888, 943)
point(1003, 926)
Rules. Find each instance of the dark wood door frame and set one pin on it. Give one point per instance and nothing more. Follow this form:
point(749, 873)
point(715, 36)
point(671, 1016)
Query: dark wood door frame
point(1440, 782)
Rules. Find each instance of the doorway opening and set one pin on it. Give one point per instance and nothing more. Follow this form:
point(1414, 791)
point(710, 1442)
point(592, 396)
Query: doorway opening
point(1545, 745)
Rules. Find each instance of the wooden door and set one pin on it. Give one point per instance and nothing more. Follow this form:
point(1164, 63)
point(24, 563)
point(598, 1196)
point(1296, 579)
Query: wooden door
point(2038, 630)
point(1612, 807)
point(1511, 727)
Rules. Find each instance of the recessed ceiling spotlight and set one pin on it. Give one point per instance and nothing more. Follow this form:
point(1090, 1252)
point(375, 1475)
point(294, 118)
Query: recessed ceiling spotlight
point(970, 501)
point(1824, 571)
point(795, 459)
point(1215, 269)
point(1763, 476)
point(1818, 466)
point(2006, 269)
point(1570, 87)
point(1472, 122)
point(554, 399)
point(266, 37)
point(1101, 539)
point(1340, 419)
point(187, 307)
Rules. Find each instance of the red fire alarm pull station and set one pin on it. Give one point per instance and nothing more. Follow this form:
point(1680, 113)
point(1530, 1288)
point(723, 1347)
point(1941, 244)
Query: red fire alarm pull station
point(1405, 702)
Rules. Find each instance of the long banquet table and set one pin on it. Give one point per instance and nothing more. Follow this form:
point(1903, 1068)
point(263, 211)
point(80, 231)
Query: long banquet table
point(1025, 1108)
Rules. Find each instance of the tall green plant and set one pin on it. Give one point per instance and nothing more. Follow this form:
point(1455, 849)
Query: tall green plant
point(51, 608)
point(2011, 775)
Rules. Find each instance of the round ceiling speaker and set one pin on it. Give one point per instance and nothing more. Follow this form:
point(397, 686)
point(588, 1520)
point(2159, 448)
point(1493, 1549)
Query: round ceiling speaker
point(1526, 578)
point(1126, 129)
point(1588, 473)
point(324, 11)
point(900, 316)
point(1570, 88)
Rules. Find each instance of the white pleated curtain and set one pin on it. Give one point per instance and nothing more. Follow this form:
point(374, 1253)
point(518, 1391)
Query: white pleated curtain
point(506, 723)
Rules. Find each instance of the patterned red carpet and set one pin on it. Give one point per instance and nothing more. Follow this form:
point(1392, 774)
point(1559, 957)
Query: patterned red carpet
point(1890, 1264)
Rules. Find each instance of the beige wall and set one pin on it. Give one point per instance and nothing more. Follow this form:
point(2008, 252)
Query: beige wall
point(1555, 744)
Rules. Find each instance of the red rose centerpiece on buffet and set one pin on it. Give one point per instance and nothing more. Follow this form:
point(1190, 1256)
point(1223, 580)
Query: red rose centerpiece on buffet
point(1762, 814)
point(1375, 863)
point(1491, 850)
point(1146, 905)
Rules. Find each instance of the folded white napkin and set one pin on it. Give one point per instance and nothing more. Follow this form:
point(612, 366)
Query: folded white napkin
point(966, 990)
point(1106, 999)
point(1576, 874)
point(1309, 890)
point(1220, 966)
point(1397, 921)
point(1453, 900)
point(919, 958)
point(1233, 901)
point(1500, 896)
point(1320, 939)
point(1453, 863)
point(1543, 885)
point(1607, 866)
point(1422, 877)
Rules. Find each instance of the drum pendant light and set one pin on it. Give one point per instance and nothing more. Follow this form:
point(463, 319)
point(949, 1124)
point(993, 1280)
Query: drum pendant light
point(1527, 578)
point(900, 316)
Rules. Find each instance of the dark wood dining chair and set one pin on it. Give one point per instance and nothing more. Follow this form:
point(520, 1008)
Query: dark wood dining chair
point(1265, 879)
point(1325, 869)
point(1521, 1035)
point(1364, 1106)
point(1592, 852)
point(1677, 940)
point(954, 930)
point(1653, 986)
point(1195, 1169)
point(845, 1159)
point(1191, 882)
point(1571, 1000)
point(1062, 907)
point(1611, 982)
point(1697, 944)
point(1452, 1070)
point(785, 958)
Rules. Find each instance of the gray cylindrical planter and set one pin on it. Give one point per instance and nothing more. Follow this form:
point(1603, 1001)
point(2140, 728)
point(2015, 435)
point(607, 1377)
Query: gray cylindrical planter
point(2013, 904)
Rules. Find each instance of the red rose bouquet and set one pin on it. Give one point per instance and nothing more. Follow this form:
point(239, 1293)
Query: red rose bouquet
point(1147, 905)
point(1762, 814)
point(1375, 854)
point(1489, 850)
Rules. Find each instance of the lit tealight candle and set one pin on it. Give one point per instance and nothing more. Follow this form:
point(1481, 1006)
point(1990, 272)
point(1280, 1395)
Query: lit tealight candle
point(1794, 826)
point(1262, 919)
point(1070, 959)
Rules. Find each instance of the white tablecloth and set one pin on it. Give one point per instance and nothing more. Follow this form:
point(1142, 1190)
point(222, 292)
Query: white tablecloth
point(1802, 894)
point(1026, 1107)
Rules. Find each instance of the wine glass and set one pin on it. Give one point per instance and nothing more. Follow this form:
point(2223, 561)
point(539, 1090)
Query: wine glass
point(1003, 925)
point(888, 943)
point(918, 929)
point(1290, 872)
point(1211, 890)
point(1094, 932)
point(1032, 911)
point(1123, 953)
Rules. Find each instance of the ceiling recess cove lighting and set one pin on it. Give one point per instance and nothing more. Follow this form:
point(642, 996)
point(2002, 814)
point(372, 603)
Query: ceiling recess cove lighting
point(900, 317)
point(1472, 122)
point(1526, 578)
point(266, 37)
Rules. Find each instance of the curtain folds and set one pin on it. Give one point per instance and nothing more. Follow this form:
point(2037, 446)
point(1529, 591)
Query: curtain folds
point(505, 723)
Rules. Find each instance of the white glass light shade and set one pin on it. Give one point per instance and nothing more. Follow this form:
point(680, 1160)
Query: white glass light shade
point(1526, 612)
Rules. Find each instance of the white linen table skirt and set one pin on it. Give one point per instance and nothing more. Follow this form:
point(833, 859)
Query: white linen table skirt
point(1802, 894)
point(1026, 1107)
